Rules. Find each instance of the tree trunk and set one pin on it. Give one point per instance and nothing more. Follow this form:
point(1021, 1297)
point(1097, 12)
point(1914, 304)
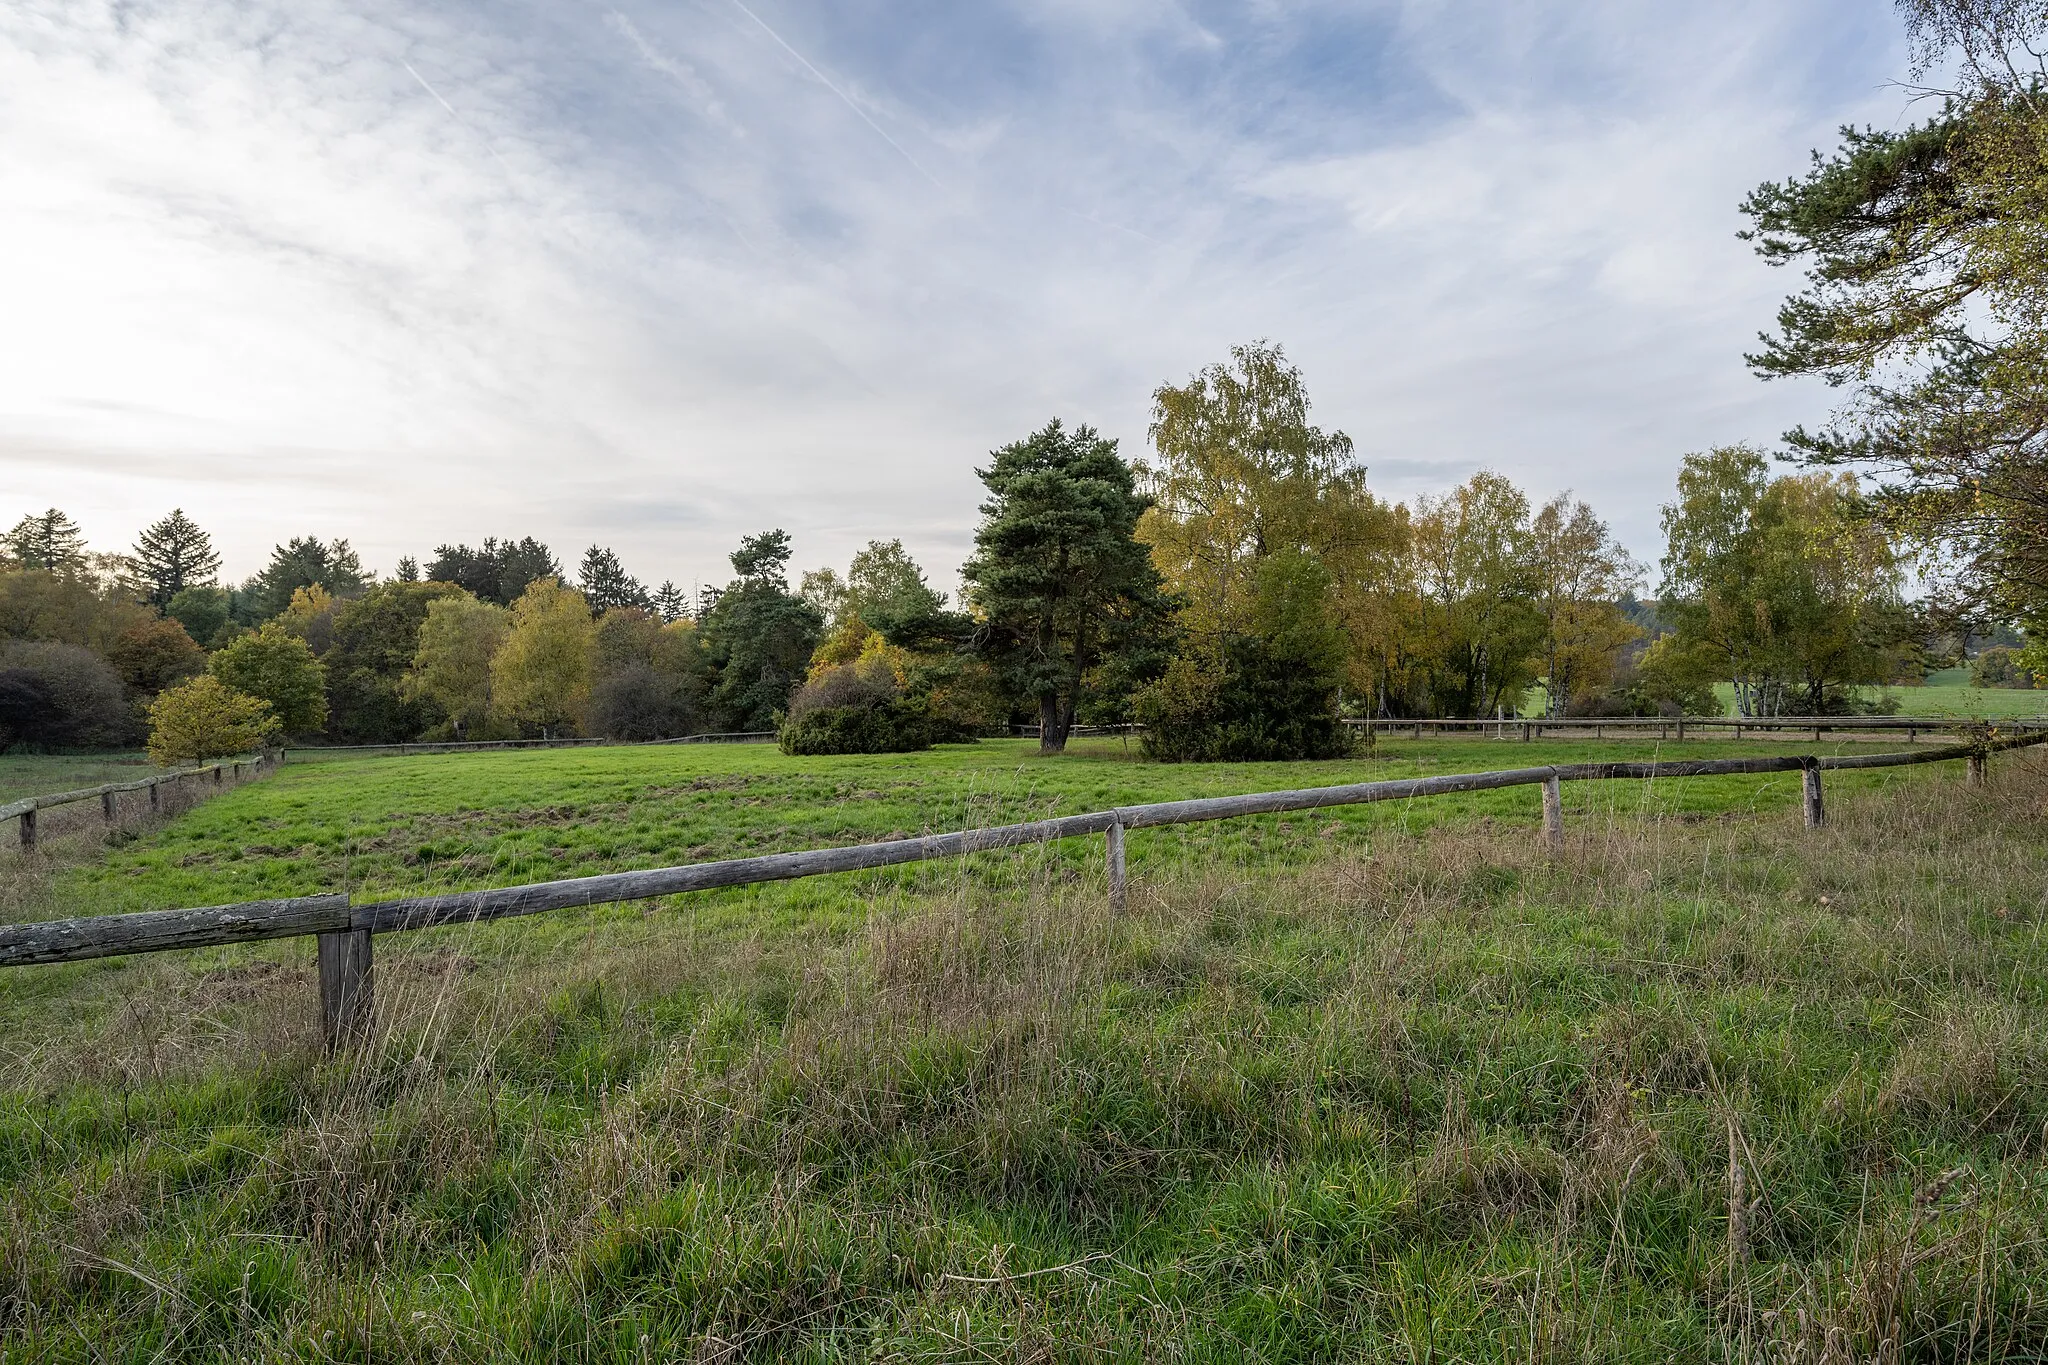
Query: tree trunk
point(1053, 723)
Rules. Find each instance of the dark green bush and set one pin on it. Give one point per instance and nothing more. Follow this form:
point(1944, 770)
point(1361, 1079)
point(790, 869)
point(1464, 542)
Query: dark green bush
point(1256, 703)
point(881, 727)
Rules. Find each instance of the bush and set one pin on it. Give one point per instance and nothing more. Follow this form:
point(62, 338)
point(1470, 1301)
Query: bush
point(887, 727)
point(855, 708)
point(1257, 703)
point(59, 696)
point(205, 719)
point(637, 701)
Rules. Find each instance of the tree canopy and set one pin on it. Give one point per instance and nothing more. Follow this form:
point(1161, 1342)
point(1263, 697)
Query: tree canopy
point(1059, 579)
point(173, 554)
point(1926, 298)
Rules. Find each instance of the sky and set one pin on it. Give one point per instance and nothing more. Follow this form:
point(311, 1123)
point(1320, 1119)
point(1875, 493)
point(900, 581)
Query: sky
point(658, 275)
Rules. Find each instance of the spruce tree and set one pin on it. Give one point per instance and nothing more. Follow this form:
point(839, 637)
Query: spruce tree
point(173, 555)
point(50, 541)
point(606, 584)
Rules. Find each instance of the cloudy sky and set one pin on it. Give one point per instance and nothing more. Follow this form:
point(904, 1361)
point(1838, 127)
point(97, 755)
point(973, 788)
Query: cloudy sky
point(660, 274)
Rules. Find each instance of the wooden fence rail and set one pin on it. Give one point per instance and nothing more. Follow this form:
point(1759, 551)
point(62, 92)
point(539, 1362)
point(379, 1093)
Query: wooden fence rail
point(24, 811)
point(345, 930)
point(465, 746)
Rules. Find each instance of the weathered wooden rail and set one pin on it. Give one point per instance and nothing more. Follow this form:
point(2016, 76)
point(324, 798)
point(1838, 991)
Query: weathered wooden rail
point(1684, 727)
point(345, 930)
point(466, 746)
point(24, 811)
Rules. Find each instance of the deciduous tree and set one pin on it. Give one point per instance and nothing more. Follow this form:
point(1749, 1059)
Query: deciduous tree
point(153, 655)
point(1581, 574)
point(542, 674)
point(451, 664)
point(206, 719)
point(278, 667)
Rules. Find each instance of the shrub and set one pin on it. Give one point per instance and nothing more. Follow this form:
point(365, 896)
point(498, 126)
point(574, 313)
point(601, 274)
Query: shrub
point(855, 708)
point(884, 728)
point(204, 719)
point(636, 701)
point(1256, 703)
point(60, 696)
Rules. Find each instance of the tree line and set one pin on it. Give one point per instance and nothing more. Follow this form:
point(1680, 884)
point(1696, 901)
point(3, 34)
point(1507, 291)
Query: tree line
point(1238, 589)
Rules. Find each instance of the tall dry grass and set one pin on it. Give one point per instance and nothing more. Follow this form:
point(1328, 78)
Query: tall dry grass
point(1717, 1086)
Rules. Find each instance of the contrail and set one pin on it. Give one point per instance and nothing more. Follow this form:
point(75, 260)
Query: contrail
point(457, 117)
point(827, 83)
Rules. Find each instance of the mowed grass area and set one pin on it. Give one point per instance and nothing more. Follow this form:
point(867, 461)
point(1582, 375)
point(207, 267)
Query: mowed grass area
point(394, 826)
point(1705, 1086)
point(1960, 699)
point(40, 774)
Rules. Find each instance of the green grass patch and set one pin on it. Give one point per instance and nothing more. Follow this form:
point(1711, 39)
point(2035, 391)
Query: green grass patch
point(1397, 1086)
point(450, 822)
point(40, 774)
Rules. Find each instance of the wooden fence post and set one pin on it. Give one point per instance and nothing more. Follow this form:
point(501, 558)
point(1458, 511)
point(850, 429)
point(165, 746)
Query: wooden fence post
point(1553, 815)
point(1114, 836)
point(1809, 781)
point(216, 774)
point(107, 807)
point(1526, 728)
point(28, 831)
point(1978, 764)
point(156, 796)
point(346, 981)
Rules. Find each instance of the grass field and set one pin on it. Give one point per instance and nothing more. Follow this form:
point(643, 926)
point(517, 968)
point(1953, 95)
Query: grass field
point(1706, 1086)
point(445, 822)
point(37, 774)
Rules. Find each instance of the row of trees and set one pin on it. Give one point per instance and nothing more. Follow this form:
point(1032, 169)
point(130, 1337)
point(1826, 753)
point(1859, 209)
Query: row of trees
point(1238, 591)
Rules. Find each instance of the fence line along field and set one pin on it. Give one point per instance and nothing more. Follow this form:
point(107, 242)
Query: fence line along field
point(1393, 1080)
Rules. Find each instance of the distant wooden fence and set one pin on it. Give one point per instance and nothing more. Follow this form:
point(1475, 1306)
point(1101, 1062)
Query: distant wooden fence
point(25, 810)
point(345, 930)
point(463, 746)
point(1682, 727)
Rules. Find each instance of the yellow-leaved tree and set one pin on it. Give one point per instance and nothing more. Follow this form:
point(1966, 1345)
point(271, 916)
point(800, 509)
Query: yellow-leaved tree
point(541, 676)
point(459, 640)
point(205, 718)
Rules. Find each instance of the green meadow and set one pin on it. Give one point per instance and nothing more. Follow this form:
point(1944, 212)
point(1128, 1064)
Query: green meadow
point(1393, 1083)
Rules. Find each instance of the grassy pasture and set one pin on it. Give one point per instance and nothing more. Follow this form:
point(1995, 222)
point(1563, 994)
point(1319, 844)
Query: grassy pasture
point(1706, 1086)
point(37, 774)
point(447, 822)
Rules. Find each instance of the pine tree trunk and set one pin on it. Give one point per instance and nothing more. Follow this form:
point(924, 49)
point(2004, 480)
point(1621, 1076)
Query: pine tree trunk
point(1053, 722)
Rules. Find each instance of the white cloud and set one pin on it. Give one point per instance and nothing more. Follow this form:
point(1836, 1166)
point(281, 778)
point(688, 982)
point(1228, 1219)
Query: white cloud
point(658, 281)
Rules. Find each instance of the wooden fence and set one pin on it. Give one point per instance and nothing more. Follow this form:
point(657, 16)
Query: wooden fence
point(25, 810)
point(464, 746)
point(1690, 727)
point(345, 930)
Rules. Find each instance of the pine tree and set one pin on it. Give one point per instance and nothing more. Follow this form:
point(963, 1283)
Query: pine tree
point(606, 584)
point(1059, 576)
point(51, 541)
point(173, 555)
point(669, 602)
